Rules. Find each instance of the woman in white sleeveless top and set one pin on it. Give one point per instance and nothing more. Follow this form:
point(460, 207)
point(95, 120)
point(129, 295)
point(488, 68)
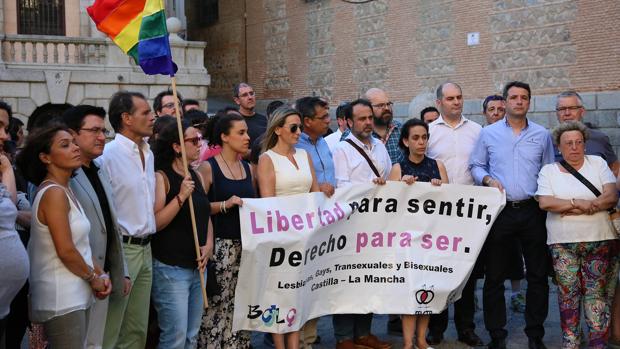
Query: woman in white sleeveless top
point(285, 170)
point(63, 277)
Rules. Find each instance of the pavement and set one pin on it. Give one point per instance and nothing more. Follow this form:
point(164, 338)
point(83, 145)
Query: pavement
point(515, 325)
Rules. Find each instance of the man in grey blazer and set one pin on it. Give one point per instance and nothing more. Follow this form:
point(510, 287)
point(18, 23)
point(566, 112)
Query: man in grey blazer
point(91, 186)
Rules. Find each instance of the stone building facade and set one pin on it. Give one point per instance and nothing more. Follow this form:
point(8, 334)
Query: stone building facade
point(41, 75)
point(338, 49)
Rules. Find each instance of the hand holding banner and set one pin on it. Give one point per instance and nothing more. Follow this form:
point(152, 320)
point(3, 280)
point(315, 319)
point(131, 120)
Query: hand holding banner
point(391, 249)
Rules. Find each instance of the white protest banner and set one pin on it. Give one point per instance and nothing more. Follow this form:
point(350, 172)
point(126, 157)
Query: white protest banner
point(390, 249)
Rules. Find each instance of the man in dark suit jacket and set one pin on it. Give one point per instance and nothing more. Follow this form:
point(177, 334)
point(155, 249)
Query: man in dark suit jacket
point(91, 186)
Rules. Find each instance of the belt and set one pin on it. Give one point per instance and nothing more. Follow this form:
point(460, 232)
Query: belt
point(521, 203)
point(136, 241)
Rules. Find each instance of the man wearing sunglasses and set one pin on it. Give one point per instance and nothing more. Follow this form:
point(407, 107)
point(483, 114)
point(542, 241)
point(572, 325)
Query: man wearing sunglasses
point(91, 186)
point(245, 98)
point(163, 104)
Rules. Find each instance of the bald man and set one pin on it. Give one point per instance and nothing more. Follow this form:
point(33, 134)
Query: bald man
point(385, 128)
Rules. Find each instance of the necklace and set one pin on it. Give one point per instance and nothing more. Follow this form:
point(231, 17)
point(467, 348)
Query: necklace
point(228, 167)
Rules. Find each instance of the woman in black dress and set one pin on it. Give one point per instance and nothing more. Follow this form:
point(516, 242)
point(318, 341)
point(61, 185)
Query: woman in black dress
point(416, 167)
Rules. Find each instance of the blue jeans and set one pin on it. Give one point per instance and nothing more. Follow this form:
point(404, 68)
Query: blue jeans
point(177, 298)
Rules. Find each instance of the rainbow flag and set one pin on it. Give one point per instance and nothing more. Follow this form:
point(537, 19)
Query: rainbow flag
point(138, 27)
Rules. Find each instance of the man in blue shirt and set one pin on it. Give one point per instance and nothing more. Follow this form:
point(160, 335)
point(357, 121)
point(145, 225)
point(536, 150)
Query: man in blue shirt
point(508, 156)
point(315, 120)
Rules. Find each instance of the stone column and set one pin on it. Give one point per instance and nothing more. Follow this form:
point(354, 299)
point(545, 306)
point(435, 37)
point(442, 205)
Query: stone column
point(10, 16)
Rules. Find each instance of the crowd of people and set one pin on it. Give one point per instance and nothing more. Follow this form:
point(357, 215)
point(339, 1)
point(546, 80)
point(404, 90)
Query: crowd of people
point(97, 240)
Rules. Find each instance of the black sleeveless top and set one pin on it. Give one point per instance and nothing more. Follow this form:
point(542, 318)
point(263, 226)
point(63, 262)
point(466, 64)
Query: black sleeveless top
point(174, 245)
point(425, 170)
point(226, 225)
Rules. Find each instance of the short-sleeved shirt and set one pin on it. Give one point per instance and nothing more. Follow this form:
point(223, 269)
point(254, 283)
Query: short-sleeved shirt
point(563, 185)
point(391, 142)
point(257, 125)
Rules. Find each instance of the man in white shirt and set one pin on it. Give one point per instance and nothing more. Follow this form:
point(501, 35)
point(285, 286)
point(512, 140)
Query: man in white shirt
point(334, 138)
point(129, 161)
point(452, 139)
point(351, 167)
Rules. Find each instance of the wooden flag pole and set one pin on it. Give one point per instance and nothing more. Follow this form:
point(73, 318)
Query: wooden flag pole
point(186, 169)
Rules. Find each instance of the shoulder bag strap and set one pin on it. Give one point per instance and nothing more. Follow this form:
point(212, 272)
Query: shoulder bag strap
point(361, 151)
point(581, 178)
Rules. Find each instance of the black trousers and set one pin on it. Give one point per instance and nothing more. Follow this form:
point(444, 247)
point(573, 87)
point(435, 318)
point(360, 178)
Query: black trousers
point(2, 333)
point(526, 223)
point(464, 310)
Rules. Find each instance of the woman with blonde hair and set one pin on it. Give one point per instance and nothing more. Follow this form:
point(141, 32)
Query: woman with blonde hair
point(284, 170)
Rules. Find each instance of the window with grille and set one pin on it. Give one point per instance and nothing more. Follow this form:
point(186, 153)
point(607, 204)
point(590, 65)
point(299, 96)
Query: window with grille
point(42, 17)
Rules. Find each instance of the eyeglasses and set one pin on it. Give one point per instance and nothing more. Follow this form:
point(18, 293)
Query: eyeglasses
point(168, 105)
point(572, 144)
point(383, 105)
point(97, 130)
point(247, 94)
point(296, 127)
point(563, 109)
point(194, 140)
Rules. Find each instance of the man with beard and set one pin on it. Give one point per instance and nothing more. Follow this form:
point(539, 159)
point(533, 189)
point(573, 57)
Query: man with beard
point(452, 139)
point(361, 158)
point(385, 128)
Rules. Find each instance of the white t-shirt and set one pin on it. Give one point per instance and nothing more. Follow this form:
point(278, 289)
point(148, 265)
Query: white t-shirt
point(561, 185)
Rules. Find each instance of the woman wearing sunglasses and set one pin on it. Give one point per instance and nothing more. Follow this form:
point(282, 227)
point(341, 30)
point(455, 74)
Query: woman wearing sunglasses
point(284, 170)
point(176, 292)
point(416, 167)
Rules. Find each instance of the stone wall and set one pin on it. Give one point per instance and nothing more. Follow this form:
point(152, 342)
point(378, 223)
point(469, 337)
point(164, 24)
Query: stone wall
point(602, 111)
point(27, 85)
point(321, 49)
point(226, 42)
point(338, 49)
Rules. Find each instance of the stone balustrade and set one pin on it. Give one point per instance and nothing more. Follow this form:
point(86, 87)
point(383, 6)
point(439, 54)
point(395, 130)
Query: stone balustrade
point(60, 52)
point(53, 50)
